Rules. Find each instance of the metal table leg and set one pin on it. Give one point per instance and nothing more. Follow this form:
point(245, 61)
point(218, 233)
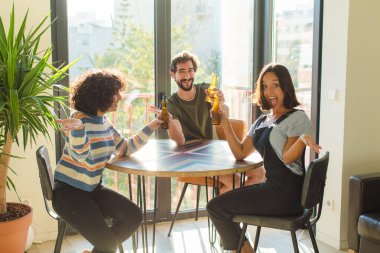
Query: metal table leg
point(154, 214)
point(135, 236)
point(141, 200)
point(144, 210)
point(211, 228)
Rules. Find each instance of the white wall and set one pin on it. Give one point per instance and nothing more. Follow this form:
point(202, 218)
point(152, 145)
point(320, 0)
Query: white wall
point(27, 180)
point(350, 60)
point(332, 115)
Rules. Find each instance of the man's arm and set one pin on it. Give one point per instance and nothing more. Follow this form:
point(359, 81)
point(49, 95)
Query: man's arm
point(175, 132)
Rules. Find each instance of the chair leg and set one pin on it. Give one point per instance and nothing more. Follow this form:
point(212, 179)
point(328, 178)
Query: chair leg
point(178, 206)
point(61, 233)
point(121, 249)
point(197, 207)
point(130, 187)
point(217, 186)
point(210, 225)
point(294, 239)
point(257, 237)
point(312, 237)
point(241, 240)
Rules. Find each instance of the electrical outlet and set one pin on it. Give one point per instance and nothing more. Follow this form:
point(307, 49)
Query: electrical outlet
point(27, 201)
point(330, 203)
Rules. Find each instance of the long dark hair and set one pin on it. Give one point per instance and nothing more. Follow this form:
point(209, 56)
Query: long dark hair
point(286, 84)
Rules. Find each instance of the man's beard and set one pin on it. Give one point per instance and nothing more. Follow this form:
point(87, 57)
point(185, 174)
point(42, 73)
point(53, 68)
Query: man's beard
point(180, 85)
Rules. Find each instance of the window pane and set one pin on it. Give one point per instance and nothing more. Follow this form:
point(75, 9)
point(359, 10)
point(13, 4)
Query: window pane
point(117, 34)
point(236, 56)
point(219, 32)
point(294, 47)
point(294, 44)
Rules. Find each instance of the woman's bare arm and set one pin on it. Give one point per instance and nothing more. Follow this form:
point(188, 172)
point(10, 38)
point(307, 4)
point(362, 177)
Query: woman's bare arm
point(239, 149)
point(295, 146)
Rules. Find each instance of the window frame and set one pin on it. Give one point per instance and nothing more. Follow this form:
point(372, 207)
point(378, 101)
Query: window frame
point(262, 48)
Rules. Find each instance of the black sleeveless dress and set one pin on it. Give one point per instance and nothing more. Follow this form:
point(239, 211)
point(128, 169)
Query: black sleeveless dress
point(279, 195)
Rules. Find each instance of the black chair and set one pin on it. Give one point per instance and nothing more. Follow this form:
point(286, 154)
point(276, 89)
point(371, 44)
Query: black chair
point(312, 197)
point(46, 179)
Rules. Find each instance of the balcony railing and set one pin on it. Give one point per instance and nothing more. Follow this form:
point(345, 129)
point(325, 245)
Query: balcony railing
point(129, 103)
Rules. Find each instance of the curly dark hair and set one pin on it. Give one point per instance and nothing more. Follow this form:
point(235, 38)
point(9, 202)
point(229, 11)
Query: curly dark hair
point(182, 58)
point(93, 91)
point(286, 84)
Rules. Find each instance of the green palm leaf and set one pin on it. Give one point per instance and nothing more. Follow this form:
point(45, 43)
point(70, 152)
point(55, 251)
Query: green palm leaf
point(27, 84)
point(27, 81)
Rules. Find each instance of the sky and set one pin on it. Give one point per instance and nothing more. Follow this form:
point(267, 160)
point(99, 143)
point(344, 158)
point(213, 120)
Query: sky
point(103, 8)
point(288, 4)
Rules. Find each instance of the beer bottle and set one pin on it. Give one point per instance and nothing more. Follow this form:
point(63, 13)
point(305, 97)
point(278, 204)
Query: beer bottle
point(215, 116)
point(212, 86)
point(164, 113)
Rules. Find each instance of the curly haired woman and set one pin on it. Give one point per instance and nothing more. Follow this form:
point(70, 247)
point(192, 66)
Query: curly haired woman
point(90, 140)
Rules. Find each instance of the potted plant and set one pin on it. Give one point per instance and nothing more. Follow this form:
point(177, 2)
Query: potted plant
point(27, 80)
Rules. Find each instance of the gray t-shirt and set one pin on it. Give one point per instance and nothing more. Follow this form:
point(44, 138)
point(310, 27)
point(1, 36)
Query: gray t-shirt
point(294, 125)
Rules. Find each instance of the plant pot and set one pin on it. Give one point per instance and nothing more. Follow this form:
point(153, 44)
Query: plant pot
point(30, 238)
point(13, 233)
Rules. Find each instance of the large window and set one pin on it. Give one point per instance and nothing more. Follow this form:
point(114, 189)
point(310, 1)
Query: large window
point(233, 39)
point(294, 39)
point(117, 34)
point(220, 33)
point(293, 44)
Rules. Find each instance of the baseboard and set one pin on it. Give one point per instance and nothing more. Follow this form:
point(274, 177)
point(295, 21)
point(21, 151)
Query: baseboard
point(46, 236)
point(333, 242)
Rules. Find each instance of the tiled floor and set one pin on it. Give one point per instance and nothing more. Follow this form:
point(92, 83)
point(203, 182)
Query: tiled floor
point(192, 237)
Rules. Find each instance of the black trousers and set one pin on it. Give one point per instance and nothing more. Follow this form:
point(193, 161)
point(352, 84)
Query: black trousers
point(87, 212)
point(261, 199)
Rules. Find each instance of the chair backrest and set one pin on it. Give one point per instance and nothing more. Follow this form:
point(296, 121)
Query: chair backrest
point(239, 126)
point(314, 182)
point(45, 171)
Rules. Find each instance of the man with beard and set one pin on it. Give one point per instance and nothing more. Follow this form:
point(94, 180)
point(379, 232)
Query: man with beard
point(188, 106)
point(191, 113)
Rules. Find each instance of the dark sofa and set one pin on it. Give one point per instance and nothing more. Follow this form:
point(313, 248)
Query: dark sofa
point(363, 233)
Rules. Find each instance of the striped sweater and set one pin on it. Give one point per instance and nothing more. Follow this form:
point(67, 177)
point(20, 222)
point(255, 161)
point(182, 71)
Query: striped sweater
point(87, 150)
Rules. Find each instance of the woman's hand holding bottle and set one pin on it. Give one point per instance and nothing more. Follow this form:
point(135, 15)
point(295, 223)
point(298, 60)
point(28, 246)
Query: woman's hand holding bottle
point(155, 123)
point(157, 120)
